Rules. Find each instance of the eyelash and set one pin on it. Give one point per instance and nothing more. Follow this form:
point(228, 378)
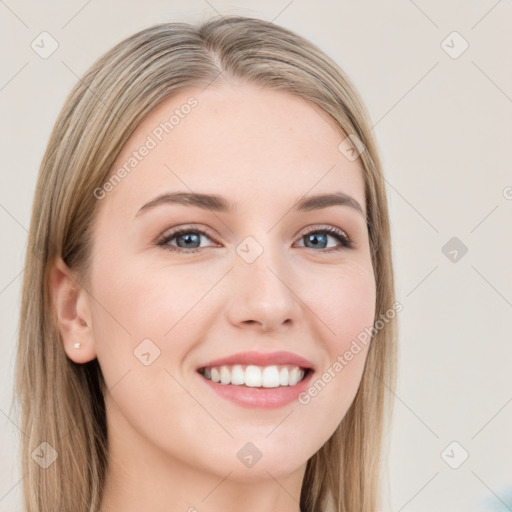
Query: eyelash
point(346, 242)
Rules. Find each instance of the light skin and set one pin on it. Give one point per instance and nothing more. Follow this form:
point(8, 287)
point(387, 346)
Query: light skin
point(173, 442)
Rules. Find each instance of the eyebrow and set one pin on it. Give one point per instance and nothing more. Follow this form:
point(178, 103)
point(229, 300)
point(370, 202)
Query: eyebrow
point(221, 204)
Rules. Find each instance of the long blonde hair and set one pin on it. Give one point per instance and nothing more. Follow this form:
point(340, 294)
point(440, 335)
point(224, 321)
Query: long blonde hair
point(61, 403)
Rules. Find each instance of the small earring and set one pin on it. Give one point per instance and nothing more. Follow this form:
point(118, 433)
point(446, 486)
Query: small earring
point(77, 345)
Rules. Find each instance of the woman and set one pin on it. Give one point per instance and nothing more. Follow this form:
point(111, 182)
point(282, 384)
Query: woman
point(208, 310)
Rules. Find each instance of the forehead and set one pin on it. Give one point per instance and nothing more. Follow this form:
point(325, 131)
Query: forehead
point(237, 140)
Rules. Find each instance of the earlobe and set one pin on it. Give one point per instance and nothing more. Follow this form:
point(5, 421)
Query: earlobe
point(71, 308)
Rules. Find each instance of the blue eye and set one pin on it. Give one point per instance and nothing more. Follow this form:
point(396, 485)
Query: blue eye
point(325, 232)
point(188, 238)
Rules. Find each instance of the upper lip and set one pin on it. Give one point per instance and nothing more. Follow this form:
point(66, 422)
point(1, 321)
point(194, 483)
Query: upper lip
point(261, 359)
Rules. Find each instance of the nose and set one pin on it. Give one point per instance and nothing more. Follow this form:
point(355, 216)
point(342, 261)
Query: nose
point(262, 293)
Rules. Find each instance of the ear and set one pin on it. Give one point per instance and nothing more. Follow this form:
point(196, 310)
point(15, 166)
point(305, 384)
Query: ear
point(71, 305)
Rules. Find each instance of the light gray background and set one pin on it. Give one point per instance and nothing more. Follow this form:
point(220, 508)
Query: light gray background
point(444, 128)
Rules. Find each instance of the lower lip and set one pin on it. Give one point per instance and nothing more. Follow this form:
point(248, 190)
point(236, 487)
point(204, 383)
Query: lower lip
point(265, 398)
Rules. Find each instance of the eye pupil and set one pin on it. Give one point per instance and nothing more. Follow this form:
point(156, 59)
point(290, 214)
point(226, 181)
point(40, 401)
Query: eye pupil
point(315, 237)
point(192, 237)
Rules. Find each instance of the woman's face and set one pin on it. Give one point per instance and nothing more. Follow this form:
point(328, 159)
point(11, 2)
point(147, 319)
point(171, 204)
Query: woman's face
point(245, 283)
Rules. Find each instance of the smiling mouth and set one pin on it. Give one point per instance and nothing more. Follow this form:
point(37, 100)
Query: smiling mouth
point(252, 376)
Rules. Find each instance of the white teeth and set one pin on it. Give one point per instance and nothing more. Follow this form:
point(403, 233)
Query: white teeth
point(215, 374)
point(225, 375)
point(283, 377)
point(270, 377)
point(237, 375)
point(294, 377)
point(255, 376)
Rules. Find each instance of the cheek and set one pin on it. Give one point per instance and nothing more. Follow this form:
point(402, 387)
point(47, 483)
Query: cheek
point(147, 314)
point(144, 326)
point(142, 302)
point(347, 310)
point(344, 301)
